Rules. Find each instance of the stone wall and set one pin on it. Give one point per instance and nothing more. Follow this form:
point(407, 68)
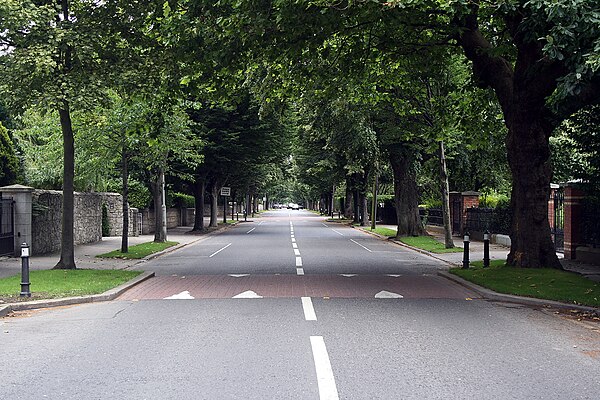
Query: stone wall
point(114, 207)
point(173, 219)
point(47, 219)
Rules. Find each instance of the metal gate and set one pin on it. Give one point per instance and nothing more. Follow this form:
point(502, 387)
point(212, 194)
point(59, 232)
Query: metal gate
point(7, 228)
point(558, 224)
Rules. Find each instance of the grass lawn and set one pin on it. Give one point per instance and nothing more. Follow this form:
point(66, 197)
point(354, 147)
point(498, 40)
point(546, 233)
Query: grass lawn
point(429, 244)
point(383, 231)
point(542, 283)
point(56, 283)
point(139, 250)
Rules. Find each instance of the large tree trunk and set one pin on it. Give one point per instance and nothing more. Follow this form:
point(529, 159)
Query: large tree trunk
point(348, 209)
point(522, 90)
point(406, 195)
point(364, 220)
point(356, 203)
point(67, 249)
point(125, 178)
point(214, 196)
point(445, 191)
point(529, 160)
point(199, 189)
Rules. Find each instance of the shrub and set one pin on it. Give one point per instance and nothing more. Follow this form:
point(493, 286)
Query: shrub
point(180, 200)
point(105, 222)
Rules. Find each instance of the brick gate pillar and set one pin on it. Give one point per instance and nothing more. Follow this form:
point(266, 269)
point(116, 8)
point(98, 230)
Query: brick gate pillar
point(573, 214)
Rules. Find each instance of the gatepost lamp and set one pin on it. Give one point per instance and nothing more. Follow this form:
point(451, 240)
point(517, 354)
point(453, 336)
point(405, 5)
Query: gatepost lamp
point(486, 249)
point(25, 291)
point(466, 251)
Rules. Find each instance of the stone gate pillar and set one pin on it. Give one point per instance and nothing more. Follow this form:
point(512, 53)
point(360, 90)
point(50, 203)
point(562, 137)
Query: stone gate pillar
point(21, 195)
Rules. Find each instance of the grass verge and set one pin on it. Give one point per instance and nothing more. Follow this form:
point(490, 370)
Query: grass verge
point(57, 283)
point(139, 250)
point(541, 283)
point(429, 244)
point(382, 231)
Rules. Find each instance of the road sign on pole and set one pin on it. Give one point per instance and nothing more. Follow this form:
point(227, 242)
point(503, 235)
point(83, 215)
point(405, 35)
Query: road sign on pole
point(226, 191)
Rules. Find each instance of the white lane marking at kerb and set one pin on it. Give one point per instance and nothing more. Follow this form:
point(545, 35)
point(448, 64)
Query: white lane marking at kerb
point(181, 296)
point(309, 310)
point(355, 242)
point(297, 252)
point(218, 251)
point(248, 294)
point(298, 261)
point(299, 271)
point(325, 379)
point(384, 294)
point(251, 230)
point(339, 233)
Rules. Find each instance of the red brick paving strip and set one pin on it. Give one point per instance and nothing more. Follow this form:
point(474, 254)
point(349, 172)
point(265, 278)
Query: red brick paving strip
point(281, 286)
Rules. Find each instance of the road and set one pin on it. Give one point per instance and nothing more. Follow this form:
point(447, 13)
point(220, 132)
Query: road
point(292, 307)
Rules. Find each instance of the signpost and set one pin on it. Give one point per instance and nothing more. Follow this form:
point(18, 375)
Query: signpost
point(225, 192)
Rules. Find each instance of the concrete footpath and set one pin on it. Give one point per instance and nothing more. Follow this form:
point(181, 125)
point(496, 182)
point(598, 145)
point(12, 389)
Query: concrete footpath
point(85, 258)
point(498, 252)
point(85, 254)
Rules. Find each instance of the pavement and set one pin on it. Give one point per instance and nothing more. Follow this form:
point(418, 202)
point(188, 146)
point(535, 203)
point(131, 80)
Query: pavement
point(85, 254)
point(499, 252)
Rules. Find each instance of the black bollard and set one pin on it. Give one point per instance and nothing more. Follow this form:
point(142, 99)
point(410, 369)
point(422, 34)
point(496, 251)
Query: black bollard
point(25, 290)
point(486, 249)
point(466, 251)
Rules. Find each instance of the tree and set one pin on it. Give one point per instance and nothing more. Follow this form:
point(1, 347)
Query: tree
point(53, 56)
point(540, 57)
point(9, 163)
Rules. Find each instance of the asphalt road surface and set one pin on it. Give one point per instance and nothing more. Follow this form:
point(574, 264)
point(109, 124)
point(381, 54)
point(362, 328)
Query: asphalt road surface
point(292, 307)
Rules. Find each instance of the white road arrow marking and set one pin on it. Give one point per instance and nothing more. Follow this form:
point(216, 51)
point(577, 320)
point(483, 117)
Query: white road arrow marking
point(248, 294)
point(238, 275)
point(181, 296)
point(384, 294)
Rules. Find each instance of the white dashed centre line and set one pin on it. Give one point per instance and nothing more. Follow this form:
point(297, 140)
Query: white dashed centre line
point(218, 251)
point(299, 271)
point(325, 225)
point(297, 252)
point(298, 261)
point(325, 379)
point(355, 242)
point(293, 240)
point(295, 245)
point(251, 230)
point(339, 233)
point(309, 310)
